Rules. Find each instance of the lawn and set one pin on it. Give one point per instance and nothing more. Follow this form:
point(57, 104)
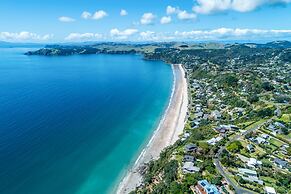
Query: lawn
point(268, 180)
point(286, 118)
point(275, 142)
point(256, 124)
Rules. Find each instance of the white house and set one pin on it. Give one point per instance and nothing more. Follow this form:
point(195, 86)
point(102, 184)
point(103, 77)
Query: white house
point(270, 190)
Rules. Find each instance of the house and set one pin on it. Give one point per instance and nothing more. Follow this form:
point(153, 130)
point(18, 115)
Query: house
point(260, 140)
point(249, 175)
point(205, 116)
point(204, 187)
point(272, 127)
point(265, 136)
point(281, 163)
point(214, 140)
point(195, 123)
point(250, 148)
point(278, 112)
point(188, 158)
point(185, 136)
point(284, 148)
point(215, 115)
point(199, 115)
point(190, 147)
point(270, 190)
point(225, 128)
point(254, 163)
point(279, 125)
point(188, 167)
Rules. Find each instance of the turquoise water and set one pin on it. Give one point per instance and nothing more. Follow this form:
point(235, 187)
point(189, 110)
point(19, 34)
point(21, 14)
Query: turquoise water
point(74, 124)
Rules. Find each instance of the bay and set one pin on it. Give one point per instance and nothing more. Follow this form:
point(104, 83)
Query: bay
point(75, 124)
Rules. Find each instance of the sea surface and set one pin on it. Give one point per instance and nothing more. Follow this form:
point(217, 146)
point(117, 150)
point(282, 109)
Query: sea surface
point(75, 124)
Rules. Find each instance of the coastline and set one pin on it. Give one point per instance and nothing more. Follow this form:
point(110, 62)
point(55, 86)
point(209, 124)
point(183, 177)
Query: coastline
point(167, 133)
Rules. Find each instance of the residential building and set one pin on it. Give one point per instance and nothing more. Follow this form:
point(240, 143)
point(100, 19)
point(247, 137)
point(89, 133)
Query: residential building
point(254, 163)
point(188, 167)
point(249, 175)
point(190, 147)
point(281, 163)
point(204, 187)
point(270, 190)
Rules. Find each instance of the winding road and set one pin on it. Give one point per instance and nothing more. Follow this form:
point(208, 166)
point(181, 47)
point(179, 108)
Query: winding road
point(238, 189)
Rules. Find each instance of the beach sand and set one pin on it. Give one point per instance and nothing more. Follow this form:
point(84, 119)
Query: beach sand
point(167, 133)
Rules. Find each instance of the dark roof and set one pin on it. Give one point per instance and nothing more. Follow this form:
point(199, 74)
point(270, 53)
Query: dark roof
point(189, 158)
point(281, 162)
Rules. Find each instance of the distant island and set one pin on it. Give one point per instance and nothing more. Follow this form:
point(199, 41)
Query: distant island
point(237, 135)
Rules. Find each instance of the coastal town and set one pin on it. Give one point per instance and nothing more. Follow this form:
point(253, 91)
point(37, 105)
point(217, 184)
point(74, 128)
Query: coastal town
point(236, 137)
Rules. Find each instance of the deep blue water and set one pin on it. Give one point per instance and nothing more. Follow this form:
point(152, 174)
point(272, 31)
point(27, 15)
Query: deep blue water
point(74, 124)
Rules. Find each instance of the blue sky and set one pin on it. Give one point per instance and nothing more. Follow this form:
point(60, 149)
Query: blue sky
point(144, 20)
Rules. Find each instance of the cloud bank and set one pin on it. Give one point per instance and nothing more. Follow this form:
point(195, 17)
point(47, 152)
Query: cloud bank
point(24, 36)
point(122, 34)
point(83, 37)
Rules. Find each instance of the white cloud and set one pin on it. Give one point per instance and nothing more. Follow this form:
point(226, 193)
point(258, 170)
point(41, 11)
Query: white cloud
point(211, 6)
point(184, 15)
point(82, 37)
point(147, 35)
point(232, 33)
point(66, 19)
point(86, 15)
point(153, 36)
point(181, 14)
point(171, 10)
point(123, 34)
point(24, 36)
point(166, 20)
point(147, 18)
point(99, 15)
point(123, 12)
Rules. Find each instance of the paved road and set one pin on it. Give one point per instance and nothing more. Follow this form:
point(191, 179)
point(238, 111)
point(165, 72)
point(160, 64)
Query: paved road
point(222, 171)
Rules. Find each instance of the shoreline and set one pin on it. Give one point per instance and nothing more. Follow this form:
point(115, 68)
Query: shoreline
point(167, 133)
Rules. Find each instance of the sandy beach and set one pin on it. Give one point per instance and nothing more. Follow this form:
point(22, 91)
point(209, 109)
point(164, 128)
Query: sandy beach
point(168, 131)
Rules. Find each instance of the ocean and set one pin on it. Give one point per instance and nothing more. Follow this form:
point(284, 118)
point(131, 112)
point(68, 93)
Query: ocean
point(75, 124)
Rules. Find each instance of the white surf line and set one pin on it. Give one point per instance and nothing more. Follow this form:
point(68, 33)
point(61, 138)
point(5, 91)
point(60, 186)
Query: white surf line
point(126, 178)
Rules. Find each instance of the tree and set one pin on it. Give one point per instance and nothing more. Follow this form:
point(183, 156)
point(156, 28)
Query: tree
point(175, 188)
point(253, 98)
point(234, 146)
point(230, 80)
point(170, 171)
point(266, 112)
point(267, 86)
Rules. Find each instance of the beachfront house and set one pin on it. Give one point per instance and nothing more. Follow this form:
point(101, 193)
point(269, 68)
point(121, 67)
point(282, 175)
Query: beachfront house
point(188, 167)
point(190, 148)
point(204, 187)
point(188, 158)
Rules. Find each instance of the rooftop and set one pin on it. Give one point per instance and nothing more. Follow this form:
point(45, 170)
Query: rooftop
point(209, 188)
